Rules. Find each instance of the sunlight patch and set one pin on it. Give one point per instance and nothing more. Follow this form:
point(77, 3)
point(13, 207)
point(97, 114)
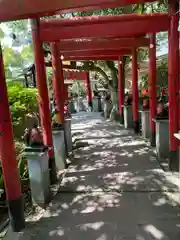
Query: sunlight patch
point(94, 226)
point(89, 209)
point(102, 237)
point(156, 233)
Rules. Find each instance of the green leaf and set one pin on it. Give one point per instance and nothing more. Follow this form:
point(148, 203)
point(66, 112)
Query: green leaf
point(1, 34)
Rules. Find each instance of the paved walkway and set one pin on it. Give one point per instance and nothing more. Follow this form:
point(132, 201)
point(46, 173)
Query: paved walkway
point(114, 190)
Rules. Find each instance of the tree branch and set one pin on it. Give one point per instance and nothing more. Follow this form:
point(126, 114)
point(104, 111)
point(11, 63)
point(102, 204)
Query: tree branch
point(92, 67)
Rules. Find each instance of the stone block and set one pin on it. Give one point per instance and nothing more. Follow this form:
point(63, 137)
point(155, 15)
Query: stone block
point(38, 168)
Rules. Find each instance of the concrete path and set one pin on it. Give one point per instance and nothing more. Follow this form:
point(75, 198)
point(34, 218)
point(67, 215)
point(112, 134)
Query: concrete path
point(114, 190)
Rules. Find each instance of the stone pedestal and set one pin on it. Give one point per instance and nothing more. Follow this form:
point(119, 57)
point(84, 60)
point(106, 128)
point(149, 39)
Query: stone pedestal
point(81, 104)
point(71, 107)
point(95, 103)
point(107, 109)
point(145, 123)
point(68, 135)
point(38, 167)
point(162, 138)
point(76, 105)
point(128, 117)
point(59, 149)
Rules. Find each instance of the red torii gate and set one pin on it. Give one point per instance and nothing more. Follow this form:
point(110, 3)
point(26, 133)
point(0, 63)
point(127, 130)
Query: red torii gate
point(78, 47)
point(13, 10)
point(97, 27)
point(134, 80)
point(74, 74)
point(104, 27)
point(95, 55)
point(79, 76)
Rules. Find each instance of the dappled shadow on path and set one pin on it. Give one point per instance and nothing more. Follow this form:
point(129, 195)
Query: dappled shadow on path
point(114, 190)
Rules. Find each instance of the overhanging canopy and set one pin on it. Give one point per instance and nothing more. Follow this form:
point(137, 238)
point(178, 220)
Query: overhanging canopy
point(129, 25)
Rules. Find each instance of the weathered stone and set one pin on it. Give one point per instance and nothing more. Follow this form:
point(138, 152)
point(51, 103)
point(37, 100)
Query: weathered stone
point(128, 117)
point(162, 138)
point(59, 149)
point(38, 168)
point(145, 123)
point(67, 129)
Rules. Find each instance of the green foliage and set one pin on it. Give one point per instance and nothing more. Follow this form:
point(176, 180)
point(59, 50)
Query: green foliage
point(78, 88)
point(22, 101)
point(1, 34)
point(144, 82)
point(27, 53)
point(14, 61)
point(162, 76)
point(19, 28)
point(22, 168)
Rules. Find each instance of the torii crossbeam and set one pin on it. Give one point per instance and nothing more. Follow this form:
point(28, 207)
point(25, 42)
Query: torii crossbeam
point(93, 58)
point(97, 53)
point(114, 44)
point(129, 25)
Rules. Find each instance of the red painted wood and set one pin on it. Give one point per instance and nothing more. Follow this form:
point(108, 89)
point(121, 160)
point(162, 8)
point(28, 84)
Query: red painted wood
point(113, 28)
point(152, 81)
point(105, 5)
point(89, 90)
point(92, 20)
point(41, 85)
point(68, 46)
point(97, 53)
point(7, 148)
point(135, 93)
point(173, 76)
point(120, 85)
point(58, 78)
point(92, 58)
point(15, 9)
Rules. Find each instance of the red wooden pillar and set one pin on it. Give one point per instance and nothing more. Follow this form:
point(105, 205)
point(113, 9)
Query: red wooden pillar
point(58, 79)
point(121, 89)
point(8, 158)
point(152, 86)
point(59, 85)
point(44, 107)
point(173, 84)
point(135, 93)
point(89, 90)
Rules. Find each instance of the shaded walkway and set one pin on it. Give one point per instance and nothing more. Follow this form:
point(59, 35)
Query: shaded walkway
point(114, 190)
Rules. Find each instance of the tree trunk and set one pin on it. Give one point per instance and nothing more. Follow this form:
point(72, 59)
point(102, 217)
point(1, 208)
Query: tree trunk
point(113, 89)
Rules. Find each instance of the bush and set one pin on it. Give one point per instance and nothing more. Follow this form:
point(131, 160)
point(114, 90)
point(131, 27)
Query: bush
point(22, 101)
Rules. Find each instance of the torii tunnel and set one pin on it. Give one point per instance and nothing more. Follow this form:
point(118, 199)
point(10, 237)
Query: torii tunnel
point(106, 40)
